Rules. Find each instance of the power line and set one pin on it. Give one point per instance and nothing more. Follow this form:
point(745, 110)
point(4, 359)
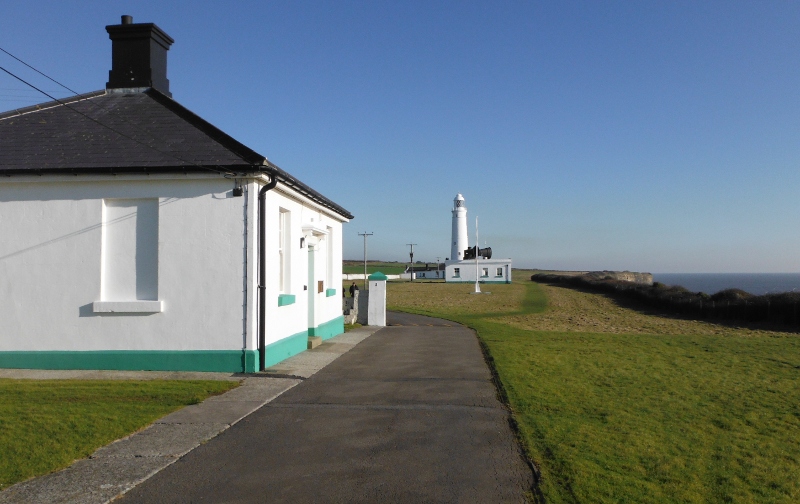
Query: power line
point(40, 73)
point(223, 172)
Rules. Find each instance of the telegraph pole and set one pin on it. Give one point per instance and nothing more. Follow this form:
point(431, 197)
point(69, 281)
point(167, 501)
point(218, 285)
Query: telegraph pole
point(412, 259)
point(365, 234)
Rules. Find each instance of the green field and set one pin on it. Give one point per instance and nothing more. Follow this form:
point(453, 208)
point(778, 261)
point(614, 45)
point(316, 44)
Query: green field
point(45, 425)
point(387, 268)
point(616, 405)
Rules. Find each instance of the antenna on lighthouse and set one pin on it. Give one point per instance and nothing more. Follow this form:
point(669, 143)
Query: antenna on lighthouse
point(477, 256)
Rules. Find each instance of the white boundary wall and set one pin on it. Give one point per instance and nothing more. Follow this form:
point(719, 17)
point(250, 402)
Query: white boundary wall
point(360, 276)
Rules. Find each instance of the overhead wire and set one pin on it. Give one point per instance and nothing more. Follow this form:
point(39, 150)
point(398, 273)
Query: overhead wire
point(40, 73)
point(226, 173)
point(291, 182)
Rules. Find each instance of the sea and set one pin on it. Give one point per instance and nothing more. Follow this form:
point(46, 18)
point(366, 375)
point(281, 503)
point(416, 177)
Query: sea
point(754, 283)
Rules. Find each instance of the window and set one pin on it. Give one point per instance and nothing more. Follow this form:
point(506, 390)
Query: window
point(499, 272)
point(484, 272)
point(329, 262)
point(130, 250)
point(456, 272)
point(129, 257)
point(284, 259)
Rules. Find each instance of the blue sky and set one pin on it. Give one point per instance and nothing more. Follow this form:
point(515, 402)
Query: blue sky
point(649, 136)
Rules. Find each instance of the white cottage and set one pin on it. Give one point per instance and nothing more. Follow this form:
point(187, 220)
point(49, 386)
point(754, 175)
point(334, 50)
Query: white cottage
point(136, 235)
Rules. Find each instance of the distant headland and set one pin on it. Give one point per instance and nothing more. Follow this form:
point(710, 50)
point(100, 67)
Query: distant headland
point(622, 276)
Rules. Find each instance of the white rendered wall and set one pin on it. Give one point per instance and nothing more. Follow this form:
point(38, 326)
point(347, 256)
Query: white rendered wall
point(51, 263)
point(467, 270)
point(429, 274)
point(314, 225)
point(51, 250)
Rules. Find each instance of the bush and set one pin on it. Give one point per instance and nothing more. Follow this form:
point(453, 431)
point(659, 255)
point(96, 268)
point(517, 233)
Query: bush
point(731, 295)
point(730, 304)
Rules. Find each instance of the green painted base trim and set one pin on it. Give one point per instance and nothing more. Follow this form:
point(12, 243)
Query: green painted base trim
point(330, 292)
point(250, 361)
point(328, 329)
point(285, 299)
point(224, 361)
point(285, 348)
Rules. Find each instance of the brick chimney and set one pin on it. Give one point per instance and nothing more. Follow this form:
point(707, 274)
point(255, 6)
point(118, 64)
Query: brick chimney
point(138, 56)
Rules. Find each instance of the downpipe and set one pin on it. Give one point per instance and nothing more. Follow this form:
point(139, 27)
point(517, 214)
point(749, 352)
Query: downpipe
point(262, 270)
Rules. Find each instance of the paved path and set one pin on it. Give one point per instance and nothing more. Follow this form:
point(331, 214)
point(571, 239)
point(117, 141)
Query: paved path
point(408, 415)
point(120, 466)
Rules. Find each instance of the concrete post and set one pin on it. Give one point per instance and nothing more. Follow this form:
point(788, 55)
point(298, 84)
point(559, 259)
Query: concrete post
point(377, 300)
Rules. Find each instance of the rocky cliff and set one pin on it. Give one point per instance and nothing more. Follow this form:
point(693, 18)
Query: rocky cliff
point(623, 276)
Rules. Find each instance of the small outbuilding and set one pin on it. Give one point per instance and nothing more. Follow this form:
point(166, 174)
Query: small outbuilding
point(136, 235)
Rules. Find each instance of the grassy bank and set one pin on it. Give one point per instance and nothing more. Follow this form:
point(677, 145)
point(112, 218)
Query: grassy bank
point(733, 306)
point(616, 405)
point(47, 424)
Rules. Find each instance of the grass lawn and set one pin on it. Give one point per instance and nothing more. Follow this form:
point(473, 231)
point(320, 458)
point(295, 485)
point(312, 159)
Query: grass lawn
point(390, 268)
point(615, 405)
point(45, 425)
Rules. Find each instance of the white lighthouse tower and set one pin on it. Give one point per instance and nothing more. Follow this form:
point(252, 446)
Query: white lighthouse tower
point(459, 241)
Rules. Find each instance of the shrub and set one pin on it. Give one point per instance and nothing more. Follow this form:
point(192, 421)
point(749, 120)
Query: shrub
point(731, 304)
point(731, 295)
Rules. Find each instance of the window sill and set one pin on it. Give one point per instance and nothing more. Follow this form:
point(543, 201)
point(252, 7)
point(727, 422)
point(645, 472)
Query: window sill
point(285, 299)
point(128, 306)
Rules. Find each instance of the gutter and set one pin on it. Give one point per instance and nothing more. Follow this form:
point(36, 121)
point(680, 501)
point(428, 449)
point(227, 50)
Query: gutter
point(262, 270)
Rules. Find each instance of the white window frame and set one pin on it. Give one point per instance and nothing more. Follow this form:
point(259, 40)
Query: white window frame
point(284, 250)
point(499, 272)
point(456, 272)
point(129, 256)
point(329, 263)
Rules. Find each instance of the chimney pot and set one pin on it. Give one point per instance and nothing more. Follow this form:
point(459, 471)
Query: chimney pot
point(138, 56)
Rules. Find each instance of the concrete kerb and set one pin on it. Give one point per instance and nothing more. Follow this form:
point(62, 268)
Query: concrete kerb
point(118, 467)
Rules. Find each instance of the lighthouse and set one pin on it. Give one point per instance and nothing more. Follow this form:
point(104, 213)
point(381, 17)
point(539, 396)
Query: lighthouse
point(459, 241)
point(470, 264)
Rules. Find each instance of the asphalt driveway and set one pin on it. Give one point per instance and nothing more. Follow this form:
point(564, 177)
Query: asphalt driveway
point(408, 415)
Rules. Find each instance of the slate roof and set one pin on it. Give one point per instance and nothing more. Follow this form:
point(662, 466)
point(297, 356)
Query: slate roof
point(141, 131)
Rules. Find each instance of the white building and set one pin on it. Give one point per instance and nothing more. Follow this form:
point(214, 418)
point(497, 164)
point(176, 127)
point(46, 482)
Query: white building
point(487, 270)
point(136, 235)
